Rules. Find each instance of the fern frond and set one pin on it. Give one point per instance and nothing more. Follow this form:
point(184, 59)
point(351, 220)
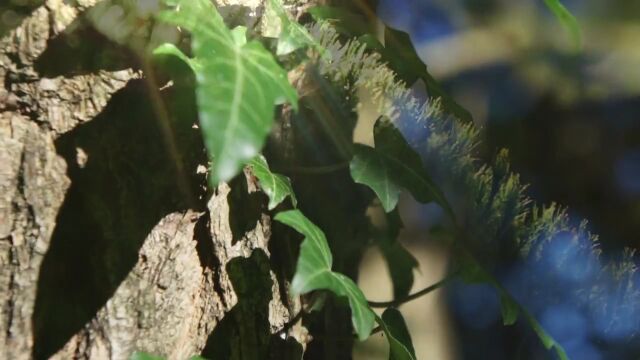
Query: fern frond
point(490, 202)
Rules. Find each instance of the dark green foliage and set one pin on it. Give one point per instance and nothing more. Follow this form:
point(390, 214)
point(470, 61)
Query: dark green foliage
point(490, 219)
point(392, 165)
point(394, 327)
point(500, 222)
point(399, 260)
point(276, 186)
point(398, 52)
point(313, 271)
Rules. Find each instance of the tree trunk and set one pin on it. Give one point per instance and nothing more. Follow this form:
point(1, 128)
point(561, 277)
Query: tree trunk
point(103, 250)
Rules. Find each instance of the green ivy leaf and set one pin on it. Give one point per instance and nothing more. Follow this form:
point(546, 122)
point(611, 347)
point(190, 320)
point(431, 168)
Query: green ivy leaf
point(394, 327)
point(313, 271)
point(391, 165)
point(292, 36)
point(398, 51)
point(567, 20)
point(276, 186)
point(139, 355)
point(238, 85)
point(405, 61)
point(368, 167)
point(400, 263)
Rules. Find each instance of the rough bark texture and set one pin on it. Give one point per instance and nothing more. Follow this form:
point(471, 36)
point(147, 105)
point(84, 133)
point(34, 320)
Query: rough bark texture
point(33, 177)
point(100, 252)
point(32, 186)
point(179, 290)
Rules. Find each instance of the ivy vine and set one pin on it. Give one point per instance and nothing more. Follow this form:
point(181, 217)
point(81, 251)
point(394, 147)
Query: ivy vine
point(241, 83)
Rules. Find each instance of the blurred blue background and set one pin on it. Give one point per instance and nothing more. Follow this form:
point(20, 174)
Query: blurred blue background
point(571, 121)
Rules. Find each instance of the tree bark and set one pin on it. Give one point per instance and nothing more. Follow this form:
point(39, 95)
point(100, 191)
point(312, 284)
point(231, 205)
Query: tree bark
point(101, 254)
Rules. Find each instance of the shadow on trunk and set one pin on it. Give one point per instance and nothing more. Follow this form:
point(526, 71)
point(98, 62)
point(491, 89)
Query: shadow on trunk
point(123, 181)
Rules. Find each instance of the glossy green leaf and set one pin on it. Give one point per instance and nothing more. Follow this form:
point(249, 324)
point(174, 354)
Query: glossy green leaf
point(139, 355)
point(276, 186)
point(313, 271)
point(293, 36)
point(393, 164)
point(394, 327)
point(368, 167)
point(238, 85)
point(567, 20)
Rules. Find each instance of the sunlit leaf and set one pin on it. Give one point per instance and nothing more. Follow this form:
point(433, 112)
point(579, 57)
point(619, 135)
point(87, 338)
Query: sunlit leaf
point(394, 327)
point(391, 165)
point(313, 271)
point(277, 187)
point(238, 85)
point(567, 20)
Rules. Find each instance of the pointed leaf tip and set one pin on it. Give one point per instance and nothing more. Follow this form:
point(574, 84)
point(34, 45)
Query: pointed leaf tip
point(313, 271)
point(238, 84)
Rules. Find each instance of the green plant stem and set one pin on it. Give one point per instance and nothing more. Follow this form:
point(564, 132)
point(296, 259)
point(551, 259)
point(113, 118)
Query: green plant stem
point(164, 121)
point(397, 302)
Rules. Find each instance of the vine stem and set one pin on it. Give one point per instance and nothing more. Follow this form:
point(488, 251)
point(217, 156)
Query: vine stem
point(164, 121)
point(291, 322)
point(397, 302)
